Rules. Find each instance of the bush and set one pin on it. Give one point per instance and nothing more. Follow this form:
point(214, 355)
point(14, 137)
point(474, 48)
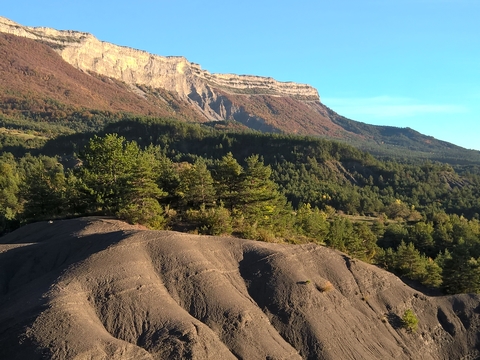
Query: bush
point(410, 320)
point(149, 213)
point(212, 221)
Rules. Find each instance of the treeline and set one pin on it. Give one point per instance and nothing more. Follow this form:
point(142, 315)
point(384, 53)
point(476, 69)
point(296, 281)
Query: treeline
point(316, 171)
point(115, 177)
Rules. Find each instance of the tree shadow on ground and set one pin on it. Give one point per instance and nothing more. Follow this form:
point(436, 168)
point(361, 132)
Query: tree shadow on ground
point(395, 321)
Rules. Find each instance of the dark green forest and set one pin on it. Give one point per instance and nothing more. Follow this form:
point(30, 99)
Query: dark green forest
point(417, 218)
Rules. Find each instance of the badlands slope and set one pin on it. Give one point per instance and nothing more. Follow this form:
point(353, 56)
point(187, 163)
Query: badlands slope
point(95, 288)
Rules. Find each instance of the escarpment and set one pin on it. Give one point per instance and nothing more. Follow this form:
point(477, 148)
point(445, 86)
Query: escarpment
point(172, 73)
point(213, 96)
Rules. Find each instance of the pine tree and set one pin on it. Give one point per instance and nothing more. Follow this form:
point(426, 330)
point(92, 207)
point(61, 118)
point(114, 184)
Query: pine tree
point(228, 177)
point(341, 231)
point(140, 202)
point(75, 189)
point(43, 189)
point(260, 200)
point(365, 246)
point(410, 320)
point(122, 180)
point(461, 272)
point(196, 186)
point(421, 235)
point(311, 222)
point(10, 205)
point(409, 261)
point(107, 163)
point(386, 258)
point(433, 274)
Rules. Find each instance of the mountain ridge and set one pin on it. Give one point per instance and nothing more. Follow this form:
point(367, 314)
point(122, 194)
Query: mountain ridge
point(86, 52)
point(176, 88)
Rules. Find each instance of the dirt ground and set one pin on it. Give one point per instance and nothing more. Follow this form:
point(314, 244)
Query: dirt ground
point(96, 288)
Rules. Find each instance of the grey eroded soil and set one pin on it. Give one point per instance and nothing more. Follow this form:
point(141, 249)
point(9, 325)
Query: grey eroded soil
point(101, 289)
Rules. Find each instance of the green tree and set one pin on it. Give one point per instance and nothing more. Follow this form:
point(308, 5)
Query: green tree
point(168, 177)
point(211, 221)
point(409, 261)
point(433, 274)
point(43, 189)
point(386, 259)
point(312, 223)
point(461, 272)
point(107, 163)
point(364, 244)
point(122, 180)
point(140, 202)
point(397, 209)
point(341, 230)
point(260, 201)
point(421, 235)
point(196, 186)
point(10, 205)
point(229, 181)
point(75, 200)
point(394, 234)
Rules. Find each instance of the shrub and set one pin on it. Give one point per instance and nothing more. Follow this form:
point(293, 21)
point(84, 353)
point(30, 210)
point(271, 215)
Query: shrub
point(149, 213)
point(410, 320)
point(212, 221)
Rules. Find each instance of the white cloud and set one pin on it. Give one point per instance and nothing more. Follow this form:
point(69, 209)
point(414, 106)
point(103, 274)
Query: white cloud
point(387, 106)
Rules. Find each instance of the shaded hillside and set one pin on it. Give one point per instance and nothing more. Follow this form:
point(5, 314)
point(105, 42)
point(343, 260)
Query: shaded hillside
point(307, 169)
point(100, 288)
point(284, 114)
point(403, 142)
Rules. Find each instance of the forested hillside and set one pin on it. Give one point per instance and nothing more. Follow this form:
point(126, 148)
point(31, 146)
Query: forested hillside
point(419, 220)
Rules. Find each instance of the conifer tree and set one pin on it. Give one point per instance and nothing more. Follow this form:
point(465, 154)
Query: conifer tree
point(196, 185)
point(140, 202)
point(341, 230)
point(107, 163)
point(228, 177)
point(433, 274)
point(260, 200)
point(122, 180)
point(311, 222)
point(43, 189)
point(10, 205)
point(409, 261)
point(461, 272)
point(365, 243)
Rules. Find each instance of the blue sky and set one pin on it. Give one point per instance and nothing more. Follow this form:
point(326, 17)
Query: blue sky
point(405, 63)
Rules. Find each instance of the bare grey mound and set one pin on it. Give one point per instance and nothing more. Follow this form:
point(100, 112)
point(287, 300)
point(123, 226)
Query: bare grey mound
point(101, 289)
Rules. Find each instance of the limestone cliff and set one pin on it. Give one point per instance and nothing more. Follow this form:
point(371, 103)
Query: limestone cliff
point(174, 73)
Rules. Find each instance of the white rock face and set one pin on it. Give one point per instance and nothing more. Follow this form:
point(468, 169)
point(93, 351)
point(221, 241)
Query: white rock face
point(132, 66)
